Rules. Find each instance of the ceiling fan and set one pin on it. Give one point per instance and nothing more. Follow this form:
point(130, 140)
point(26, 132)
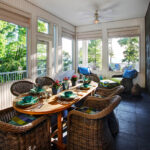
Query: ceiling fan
point(98, 17)
point(96, 21)
point(101, 13)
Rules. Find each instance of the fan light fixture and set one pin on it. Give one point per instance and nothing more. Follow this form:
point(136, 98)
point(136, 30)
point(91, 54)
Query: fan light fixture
point(96, 21)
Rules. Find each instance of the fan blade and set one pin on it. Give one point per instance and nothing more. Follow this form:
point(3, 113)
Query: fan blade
point(110, 5)
point(109, 11)
point(106, 18)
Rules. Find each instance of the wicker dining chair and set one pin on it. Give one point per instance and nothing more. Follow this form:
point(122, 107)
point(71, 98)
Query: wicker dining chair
point(32, 136)
point(41, 81)
point(106, 94)
point(20, 87)
point(110, 92)
point(112, 119)
point(94, 78)
point(91, 132)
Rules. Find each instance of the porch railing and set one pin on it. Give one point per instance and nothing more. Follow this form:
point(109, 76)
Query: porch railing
point(12, 76)
point(42, 72)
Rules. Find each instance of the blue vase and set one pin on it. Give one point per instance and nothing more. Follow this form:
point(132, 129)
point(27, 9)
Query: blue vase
point(73, 83)
point(55, 91)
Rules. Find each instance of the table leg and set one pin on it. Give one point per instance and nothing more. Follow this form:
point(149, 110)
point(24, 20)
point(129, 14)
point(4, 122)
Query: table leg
point(60, 132)
point(60, 144)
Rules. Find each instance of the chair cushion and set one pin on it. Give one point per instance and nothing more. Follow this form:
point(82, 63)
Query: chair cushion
point(21, 119)
point(98, 95)
point(54, 118)
point(84, 70)
point(130, 74)
point(108, 83)
point(118, 80)
point(87, 110)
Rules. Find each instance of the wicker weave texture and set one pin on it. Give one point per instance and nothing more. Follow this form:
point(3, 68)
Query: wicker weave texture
point(21, 87)
point(94, 78)
point(41, 81)
point(88, 134)
point(34, 136)
point(91, 132)
point(110, 92)
point(112, 120)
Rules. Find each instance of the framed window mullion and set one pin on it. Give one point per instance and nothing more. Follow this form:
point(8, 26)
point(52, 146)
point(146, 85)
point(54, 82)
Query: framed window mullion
point(46, 38)
point(55, 46)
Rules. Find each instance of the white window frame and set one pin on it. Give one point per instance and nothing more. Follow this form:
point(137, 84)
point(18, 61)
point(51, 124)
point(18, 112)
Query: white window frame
point(49, 26)
point(73, 59)
point(47, 52)
point(85, 51)
point(121, 33)
point(47, 38)
point(55, 48)
point(71, 36)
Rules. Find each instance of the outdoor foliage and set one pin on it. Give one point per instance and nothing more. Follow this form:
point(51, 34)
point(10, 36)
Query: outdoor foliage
point(94, 52)
point(13, 47)
point(66, 60)
point(42, 26)
point(80, 56)
point(41, 55)
point(131, 53)
point(41, 58)
point(13, 50)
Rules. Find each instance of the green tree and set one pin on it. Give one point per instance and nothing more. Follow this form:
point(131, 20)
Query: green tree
point(94, 52)
point(41, 55)
point(80, 56)
point(66, 60)
point(13, 47)
point(131, 53)
point(42, 26)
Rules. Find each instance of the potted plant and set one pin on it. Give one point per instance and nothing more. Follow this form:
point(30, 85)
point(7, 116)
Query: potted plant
point(86, 80)
point(74, 79)
point(56, 87)
point(65, 83)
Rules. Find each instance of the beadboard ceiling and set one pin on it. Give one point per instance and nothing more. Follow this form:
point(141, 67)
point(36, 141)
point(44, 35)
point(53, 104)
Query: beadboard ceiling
point(81, 12)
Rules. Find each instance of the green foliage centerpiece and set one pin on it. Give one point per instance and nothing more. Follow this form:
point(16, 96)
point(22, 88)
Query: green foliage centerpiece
point(56, 87)
point(74, 79)
point(86, 80)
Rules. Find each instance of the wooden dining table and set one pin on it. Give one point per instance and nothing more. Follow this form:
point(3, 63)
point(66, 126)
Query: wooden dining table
point(54, 104)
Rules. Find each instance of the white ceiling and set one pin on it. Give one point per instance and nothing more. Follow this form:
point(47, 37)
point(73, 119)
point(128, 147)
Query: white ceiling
point(81, 12)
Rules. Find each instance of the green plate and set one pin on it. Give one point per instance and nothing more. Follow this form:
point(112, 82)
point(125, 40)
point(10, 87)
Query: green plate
point(72, 96)
point(27, 101)
point(36, 90)
point(82, 87)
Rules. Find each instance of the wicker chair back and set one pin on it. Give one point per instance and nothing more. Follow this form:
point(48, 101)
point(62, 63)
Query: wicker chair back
point(91, 132)
point(41, 81)
point(21, 87)
point(35, 135)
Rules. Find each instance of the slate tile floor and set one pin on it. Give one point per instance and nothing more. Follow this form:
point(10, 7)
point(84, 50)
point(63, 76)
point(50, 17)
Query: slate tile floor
point(134, 122)
point(133, 114)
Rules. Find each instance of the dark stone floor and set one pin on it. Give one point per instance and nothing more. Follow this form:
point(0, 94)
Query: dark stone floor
point(134, 121)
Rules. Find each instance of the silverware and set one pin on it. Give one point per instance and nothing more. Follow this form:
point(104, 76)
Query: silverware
point(37, 106)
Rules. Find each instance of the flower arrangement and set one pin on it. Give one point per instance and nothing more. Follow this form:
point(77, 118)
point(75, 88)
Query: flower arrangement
point(65, 79)
point(56, 84)
point(74, 78)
